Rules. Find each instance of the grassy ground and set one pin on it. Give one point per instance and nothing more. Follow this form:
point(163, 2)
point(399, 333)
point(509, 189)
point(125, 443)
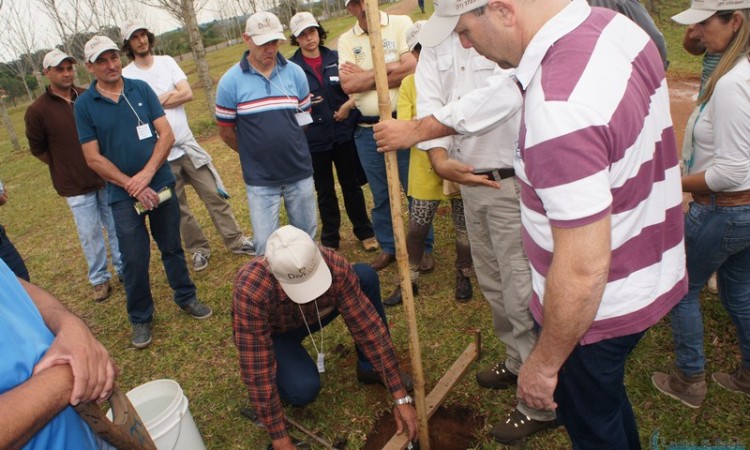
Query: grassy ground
point(201, 357)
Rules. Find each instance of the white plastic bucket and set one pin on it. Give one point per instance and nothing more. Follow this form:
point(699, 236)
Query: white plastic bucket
point(163, 408)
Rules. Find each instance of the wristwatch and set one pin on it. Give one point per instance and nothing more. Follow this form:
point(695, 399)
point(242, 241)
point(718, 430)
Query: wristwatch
point(404, 401)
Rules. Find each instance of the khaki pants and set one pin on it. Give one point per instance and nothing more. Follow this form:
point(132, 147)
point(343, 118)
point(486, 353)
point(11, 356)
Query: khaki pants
point(218, 208)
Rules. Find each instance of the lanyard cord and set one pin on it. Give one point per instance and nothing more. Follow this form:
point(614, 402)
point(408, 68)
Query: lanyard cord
point(122, 92)
point(320, 323)
point(281, 88)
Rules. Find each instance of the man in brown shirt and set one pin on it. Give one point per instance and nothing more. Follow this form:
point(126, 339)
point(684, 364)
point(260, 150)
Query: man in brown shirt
point(52, 135)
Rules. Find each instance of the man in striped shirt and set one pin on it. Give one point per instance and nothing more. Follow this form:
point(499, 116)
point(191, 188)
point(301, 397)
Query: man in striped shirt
point(601, 197)
point(262, 103)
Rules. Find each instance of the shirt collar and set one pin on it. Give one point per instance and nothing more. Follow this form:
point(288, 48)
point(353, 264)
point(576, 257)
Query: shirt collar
point(383, 22)
point(126, 87)
point(558, 26)
point(246, 67)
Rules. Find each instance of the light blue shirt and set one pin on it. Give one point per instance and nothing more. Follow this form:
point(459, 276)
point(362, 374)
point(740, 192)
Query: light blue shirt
point(24, 339)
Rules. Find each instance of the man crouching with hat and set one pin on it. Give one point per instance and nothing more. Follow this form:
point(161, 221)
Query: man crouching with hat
point(295, 290)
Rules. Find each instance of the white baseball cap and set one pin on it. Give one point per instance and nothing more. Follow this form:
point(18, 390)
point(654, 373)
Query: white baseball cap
point(263, 27)
point(443, 21)
point(297, 264)
point(412, 34)
point(301, 21)
point(55, 57)
point(701, 10)
point(96, 46)
point(130, 27)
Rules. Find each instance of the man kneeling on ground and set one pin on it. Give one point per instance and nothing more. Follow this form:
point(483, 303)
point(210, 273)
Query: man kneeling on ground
point(296, 289)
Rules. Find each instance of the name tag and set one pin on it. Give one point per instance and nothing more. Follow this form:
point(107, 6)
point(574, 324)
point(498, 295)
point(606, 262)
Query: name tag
point(303, 118)
point(334, 78)
point(144, 131)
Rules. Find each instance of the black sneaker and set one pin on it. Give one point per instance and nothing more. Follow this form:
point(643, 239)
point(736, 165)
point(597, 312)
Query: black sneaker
point(198, 310)
point(518, 425)
point(141, 335)
point(498, 377)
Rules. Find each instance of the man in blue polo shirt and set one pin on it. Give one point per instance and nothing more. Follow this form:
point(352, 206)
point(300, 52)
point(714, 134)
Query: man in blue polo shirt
point(126, 139)
point(262, 103)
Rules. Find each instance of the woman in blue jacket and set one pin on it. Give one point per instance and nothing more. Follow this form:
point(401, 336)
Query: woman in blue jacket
point(330, 135)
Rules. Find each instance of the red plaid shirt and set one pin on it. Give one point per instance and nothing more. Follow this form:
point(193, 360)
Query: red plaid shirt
point(261, 309)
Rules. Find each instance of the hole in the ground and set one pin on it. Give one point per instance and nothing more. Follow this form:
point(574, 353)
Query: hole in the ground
point(451, 427)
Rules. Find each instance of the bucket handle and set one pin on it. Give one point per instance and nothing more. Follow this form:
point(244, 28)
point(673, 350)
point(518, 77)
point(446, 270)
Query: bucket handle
point(125, 431)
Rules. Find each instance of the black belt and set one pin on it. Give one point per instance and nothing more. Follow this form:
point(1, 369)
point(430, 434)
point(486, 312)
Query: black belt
point(498, 174)
point(372, 120)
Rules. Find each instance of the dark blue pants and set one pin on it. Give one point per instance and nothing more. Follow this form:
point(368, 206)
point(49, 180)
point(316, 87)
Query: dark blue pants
point(12, 258)
point(592, 402)
point(343, 155)
point(135, 247)
point(297, 376)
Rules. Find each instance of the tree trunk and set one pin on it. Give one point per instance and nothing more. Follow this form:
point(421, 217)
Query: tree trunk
point(39, 80)
point(9, 125)
point(199, 52)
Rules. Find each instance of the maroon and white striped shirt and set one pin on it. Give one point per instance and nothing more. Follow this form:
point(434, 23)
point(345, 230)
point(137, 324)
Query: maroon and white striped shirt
point(596, 139)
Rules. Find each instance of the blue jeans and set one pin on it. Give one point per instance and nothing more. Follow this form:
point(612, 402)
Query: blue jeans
point(374, 165)
point(592, 402)
point(164, 223)
point(12, 258)
point(717, 239)
point(91, 212)
point(264, 203)
point(297, 376)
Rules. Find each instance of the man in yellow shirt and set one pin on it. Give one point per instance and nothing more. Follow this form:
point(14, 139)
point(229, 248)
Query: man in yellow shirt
point(358, 78)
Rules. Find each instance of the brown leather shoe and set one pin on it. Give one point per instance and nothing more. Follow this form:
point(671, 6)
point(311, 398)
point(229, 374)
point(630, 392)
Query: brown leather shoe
point(102, 291)
point(382, 261)
point(427, 264)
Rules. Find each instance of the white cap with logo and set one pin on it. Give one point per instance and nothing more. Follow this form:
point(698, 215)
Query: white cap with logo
point(297, 264)
point(96, 46)
point(443, 21)
point(301, 21)
point(701, 10)
point(55, 57)
point(263, 27)
point(130, 27)
point(412, 34)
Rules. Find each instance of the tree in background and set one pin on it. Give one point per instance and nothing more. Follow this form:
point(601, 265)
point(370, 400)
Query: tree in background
point(185, 11)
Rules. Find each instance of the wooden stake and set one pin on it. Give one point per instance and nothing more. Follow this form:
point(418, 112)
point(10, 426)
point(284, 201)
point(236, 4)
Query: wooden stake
point(394, 194)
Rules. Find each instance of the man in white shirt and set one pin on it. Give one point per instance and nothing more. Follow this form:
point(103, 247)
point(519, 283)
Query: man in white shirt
point(189, 162)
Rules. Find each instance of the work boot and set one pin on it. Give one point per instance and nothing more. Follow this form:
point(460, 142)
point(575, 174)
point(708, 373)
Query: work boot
point(382, 261)
point(463, 287)
point(498, 377)
point(739, 381)
point(427, 264)
point(690, 390)
point(518, 425)
point(396, 299)
point(102, 291)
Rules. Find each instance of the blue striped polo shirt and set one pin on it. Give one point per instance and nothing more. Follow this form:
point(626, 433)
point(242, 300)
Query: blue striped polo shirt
point(272, 146)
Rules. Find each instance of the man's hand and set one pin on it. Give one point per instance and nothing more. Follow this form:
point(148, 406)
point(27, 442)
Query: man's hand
point(93, 369)
point(406, 415)
point(284, 443)
point(138, 183)
point(149, 198)
point(452, 170)
point(391, 135)
point(350, 68)
point(536, 385)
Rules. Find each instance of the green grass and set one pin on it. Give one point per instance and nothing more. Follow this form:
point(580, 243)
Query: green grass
point(202, 358)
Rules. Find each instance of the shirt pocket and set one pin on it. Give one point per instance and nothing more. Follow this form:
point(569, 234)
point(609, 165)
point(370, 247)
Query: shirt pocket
point(444, 62)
